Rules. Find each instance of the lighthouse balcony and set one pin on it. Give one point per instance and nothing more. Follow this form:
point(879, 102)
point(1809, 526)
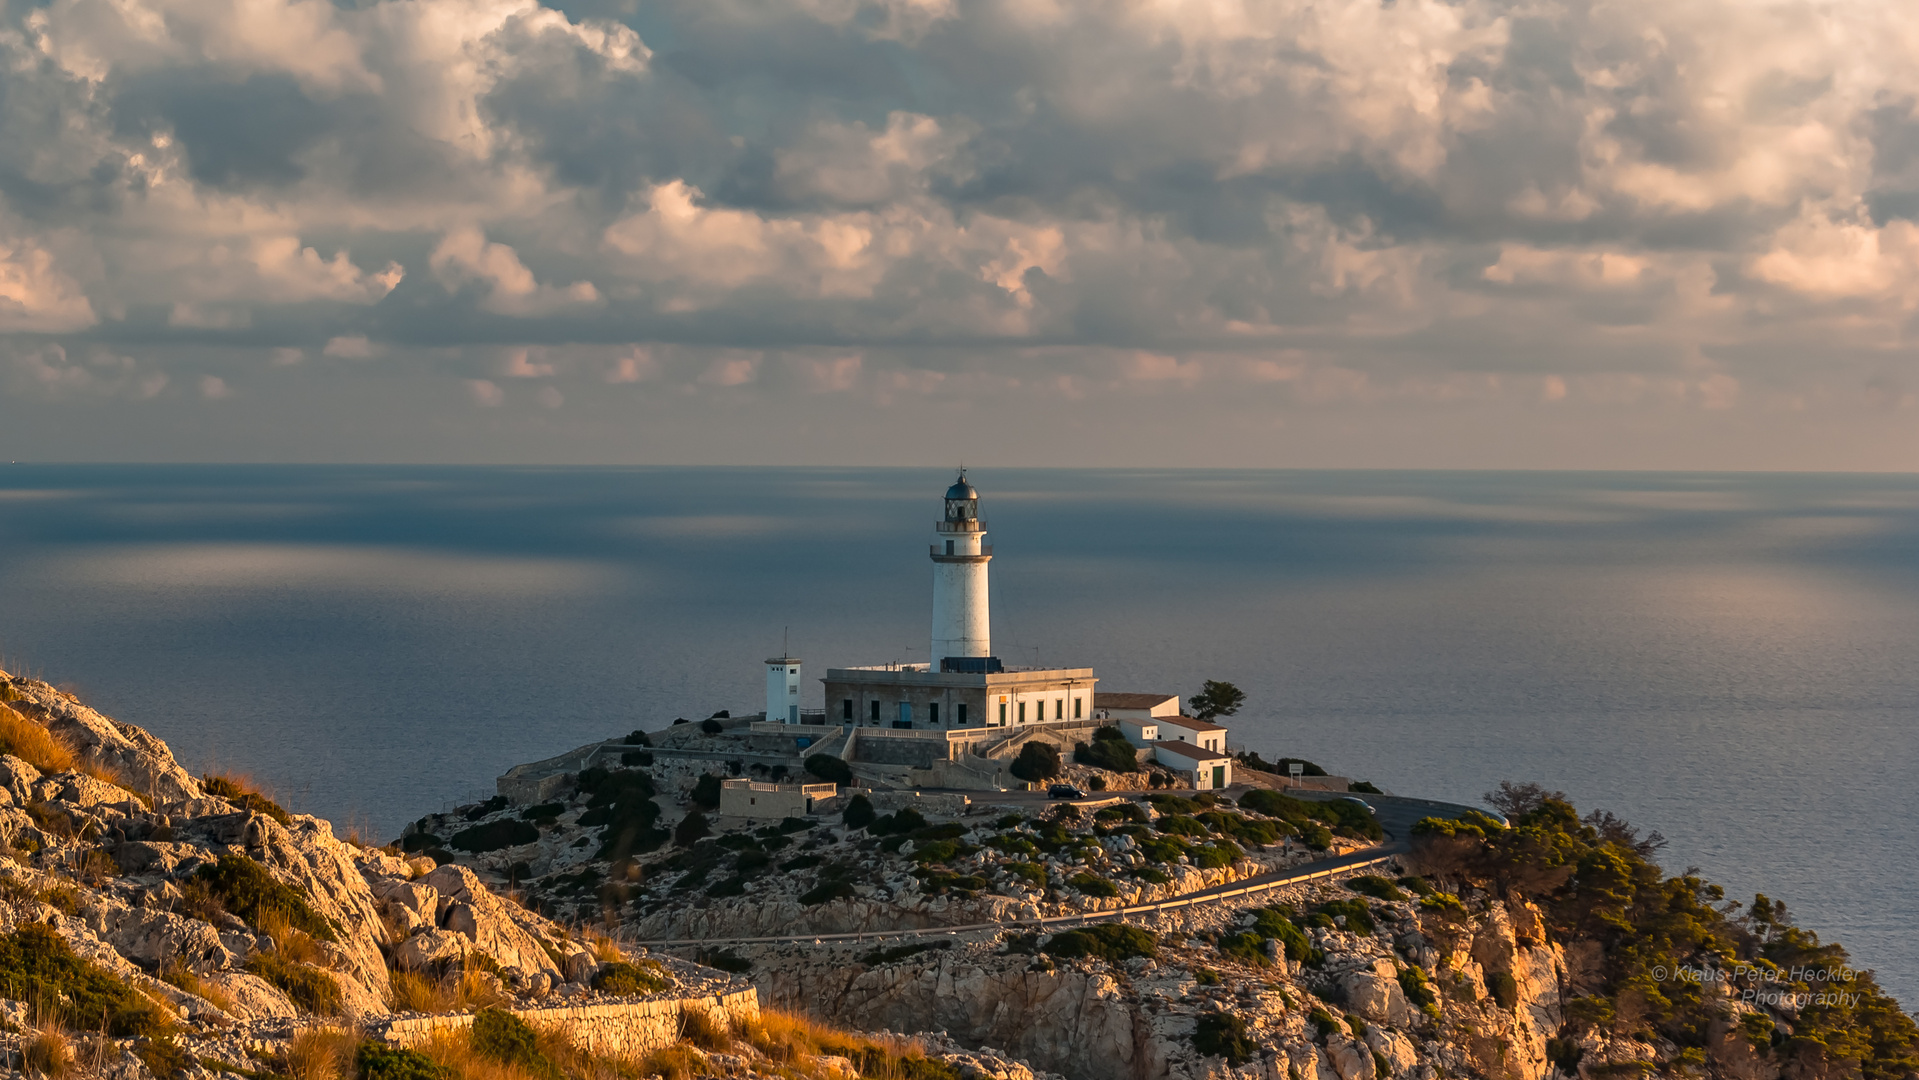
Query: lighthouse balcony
point(960, 525)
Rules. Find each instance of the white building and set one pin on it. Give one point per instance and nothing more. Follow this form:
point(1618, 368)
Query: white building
point(1111, 706)
point(1201, 733)
point(783, 689)
point(962, 621)
point(1207, 770)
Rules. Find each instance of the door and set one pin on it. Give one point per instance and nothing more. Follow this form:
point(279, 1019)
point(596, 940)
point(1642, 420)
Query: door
point(1219, 777)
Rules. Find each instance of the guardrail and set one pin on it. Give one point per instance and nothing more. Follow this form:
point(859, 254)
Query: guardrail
point(1079, 918)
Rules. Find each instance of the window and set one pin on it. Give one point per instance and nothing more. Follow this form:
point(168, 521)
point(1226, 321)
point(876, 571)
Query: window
point(846, 709)
point(906, 714)
point(876, 712)
point(1002, 714)
point(949, 547)
point(792, 689)
point(1059, 709)
point(1022, 712)
point(1078, 712)
point(933, 714)
point(960, 714)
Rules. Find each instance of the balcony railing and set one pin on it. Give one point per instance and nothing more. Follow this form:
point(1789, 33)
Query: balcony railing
point(939, 550)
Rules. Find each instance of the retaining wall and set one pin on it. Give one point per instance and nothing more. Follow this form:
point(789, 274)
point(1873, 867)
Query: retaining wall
point(610, 1028)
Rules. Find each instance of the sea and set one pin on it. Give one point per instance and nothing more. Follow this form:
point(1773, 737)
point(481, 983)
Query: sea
point(1729, 659)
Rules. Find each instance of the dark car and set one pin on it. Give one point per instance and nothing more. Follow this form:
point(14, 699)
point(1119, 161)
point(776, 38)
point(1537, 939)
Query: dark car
point(1361, 803)
point(1064, 791)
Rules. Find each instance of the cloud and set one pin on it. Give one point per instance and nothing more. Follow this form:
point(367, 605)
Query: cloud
point(1266, 207)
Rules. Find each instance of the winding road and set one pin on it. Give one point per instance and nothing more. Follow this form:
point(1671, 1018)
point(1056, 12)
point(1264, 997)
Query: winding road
point(1396, 816)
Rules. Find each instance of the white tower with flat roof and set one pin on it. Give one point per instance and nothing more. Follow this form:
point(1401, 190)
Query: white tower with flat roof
point(783, 690)
point(962, 626)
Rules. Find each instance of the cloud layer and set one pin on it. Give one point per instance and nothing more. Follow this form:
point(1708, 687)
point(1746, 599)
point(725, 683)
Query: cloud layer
point(468, 223)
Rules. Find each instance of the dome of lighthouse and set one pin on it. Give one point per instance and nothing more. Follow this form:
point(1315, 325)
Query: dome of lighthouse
point(961, 489)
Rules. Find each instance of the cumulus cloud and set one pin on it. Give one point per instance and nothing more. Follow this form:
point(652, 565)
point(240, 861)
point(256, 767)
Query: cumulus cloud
point(1296, 205)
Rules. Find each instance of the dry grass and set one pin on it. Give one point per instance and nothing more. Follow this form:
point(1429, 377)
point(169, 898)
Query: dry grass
point(48, 1053)
point(798, 1041)
point(175, 973)
point(415, 991)
point(293, 944)
point(604, 948)
point(679, 1062)
point(42, 749)
point(321, 1053)
point(34, 744)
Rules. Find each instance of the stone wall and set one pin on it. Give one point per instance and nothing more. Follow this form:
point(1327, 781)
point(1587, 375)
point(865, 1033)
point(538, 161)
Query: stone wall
point(919, 753)
point(610, 1028)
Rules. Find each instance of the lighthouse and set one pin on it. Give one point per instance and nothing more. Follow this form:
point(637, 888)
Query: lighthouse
point(962, 626)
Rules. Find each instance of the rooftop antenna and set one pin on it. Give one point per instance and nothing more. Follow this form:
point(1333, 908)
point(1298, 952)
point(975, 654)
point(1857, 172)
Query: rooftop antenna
point(786, 648)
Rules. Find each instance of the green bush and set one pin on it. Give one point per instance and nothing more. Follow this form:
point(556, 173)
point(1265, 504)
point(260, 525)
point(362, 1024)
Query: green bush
point(494, 835)
point(859, 813)
point(544, 810)
point(1364, 787)
point(246, 889)
point(1131, 812)
point(506, 1038)
point(1109, 754)
point(163, 1055)
point(727, 961)
point(830, 769)
point(712, 726)
point(1359, 917)
point(622, 800)
point(1504, 989)
point(706, 792)
point(1216, 855)
point(620, 977)
point(1112, 942)
point(801, 862)
point(1223, 1034)
point(691, 827)
point(903, 823)
point(1323, 1020)
point(377, 1061)
point(1276, 924)
point(1029, 871)
point(901, 952)
point(306, 986)
point(1375, 886)
point(637, 738)
point(1037, 762)
point(1181, 825)
point(1094, 886)
point(37, 965)
point(830, 889)
point(246, 800)
point(1247, 947)
point(1418, 991)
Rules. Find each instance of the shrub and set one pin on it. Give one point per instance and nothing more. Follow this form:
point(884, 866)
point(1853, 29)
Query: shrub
point(544, 810)
point(1113, 942)
point(859, 813)
point(244, 887)
point(1247, 947)
point(494, 835)
point(1375, 886)
point(621, 800)
point(691, 828)
point(1364, 787)
point(712, 726)
point(706, 792)
point(237, 791)
point(1223, 1034)
point(901, 952)
point(506, 1038)
point(830, 769)
point(906, 821)
point(1504, 989)
point(1028, 871)
point(308, 987)
point(637, 738)
point(1094, 886)
point(377, 1061)
point(1037, 762)
point(832, 889)
point(1359, 917)
point(1216, 855)
point(642, 758)
point(1418, 991)
point(1181, 825)
point(1382, 1068)
point(1324, 1021)
point(1113, 755)
point(727, 961)
point(33, 744)
point(622, 977)
point(1274, 923)
point(36, 964)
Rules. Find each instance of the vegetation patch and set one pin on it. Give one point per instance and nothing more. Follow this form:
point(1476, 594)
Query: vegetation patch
point(308, 987)
point(859, 813)
point(377, 1061)
point(830, 769)
point(1037, 762)
point(1112, 942)
point(1109, 750)
point(1376, 887)
point(500, 1036)
point(237, 791)
point(726, 961)
point(1094, 886)
point(1224, 1034)
point(36, 965)
point(901, 952)
point(621, 800)
point(243, 887)
point(495, 835)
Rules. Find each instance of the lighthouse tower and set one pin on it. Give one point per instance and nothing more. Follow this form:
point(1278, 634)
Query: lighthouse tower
point(962, 628)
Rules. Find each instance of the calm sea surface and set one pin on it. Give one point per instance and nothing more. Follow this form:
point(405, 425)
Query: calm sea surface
point(1730, 659)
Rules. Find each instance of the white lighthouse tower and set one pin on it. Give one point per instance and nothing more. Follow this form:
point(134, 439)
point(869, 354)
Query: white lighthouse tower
point(962, 626)
point(783, 689)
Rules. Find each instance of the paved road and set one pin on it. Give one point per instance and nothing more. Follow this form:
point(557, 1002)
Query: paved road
point(1396, 815)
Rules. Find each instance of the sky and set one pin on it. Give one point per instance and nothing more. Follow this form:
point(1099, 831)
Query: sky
point(1316, 233)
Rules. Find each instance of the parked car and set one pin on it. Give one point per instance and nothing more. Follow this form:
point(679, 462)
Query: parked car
point(1064, 791)
point(1361, 803)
